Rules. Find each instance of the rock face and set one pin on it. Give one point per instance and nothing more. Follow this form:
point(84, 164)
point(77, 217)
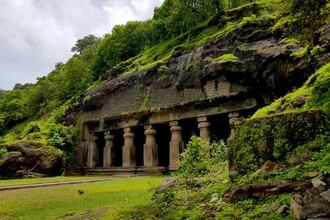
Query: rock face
point(313, 203)
point(265, 70)
point(26, 158)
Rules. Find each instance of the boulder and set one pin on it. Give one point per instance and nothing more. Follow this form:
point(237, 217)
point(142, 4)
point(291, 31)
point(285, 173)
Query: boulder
point(326, 195)
point(30, 158)
point(168, 183)
point(264, 190)
point(319, 185)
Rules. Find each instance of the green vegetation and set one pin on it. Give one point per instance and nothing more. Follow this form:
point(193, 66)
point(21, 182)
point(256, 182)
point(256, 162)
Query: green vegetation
point(100, 200)
point(314, 94)
point(293, 132)
point(226, 57)
point(203, 181)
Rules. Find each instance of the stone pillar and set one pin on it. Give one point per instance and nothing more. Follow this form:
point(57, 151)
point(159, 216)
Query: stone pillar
point(176, 144)
point(92, 152)
point(204, 128)
point(107, 149)
point(233, 116)
point(150, 147)
point(129, 159)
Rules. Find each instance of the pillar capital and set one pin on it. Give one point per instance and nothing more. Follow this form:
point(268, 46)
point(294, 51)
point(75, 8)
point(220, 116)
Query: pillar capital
point(204, 124)
point(233, 116)
point(108, 136)
point(202, 119)
point(94, 138)
point(176, 128)
point(174, 123)
point(149, 130)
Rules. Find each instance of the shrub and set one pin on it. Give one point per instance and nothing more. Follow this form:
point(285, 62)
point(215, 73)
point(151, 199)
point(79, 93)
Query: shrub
point(61, 137)
point(32, 128)
point(193, 161)
point(199, 156)
point(3, 151)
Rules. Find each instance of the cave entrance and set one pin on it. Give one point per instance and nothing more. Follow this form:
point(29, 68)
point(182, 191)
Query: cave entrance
point(189, 128)
point(118, 143)
point(163, 137)
point(220, 127)
point(100, 145)
point(139, 140)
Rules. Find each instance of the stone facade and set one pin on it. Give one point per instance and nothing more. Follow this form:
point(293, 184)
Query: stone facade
point(142, 120)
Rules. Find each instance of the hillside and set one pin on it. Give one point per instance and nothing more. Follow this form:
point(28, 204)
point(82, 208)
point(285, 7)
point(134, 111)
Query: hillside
point(272, 54)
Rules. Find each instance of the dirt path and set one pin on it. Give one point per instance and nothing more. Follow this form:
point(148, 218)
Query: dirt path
point(59, 183)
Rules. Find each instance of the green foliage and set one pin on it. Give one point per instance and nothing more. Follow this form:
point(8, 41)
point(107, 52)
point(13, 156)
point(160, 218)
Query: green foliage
point(61, 136)
point(316, 92)
point(124, 42)
point(199, 156)
point(3, 151)
point(84, 43)
point(194, 159)
point(32, 128)
point(273, 138)
point(226, 57)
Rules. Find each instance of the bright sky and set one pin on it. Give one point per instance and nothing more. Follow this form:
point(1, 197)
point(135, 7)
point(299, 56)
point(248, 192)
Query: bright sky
point(36, 34)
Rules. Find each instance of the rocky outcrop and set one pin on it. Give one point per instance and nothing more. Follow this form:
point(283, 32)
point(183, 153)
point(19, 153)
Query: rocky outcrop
point(313, 203)
point(263, 190)
point(29, 158)
point(265, 70)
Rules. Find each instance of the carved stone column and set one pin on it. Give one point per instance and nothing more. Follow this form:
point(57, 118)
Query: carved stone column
point(176, 144)
point(233, 116)
point(150, 147)
point(129, 159)
point(92, 152)
point(107, 149)
point(204, 128)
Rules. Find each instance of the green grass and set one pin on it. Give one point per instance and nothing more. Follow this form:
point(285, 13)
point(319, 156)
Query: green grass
point(101, 200)
point(46, 180)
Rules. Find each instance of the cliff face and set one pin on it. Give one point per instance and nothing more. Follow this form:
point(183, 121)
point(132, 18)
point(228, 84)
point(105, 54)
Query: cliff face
point(250, 61)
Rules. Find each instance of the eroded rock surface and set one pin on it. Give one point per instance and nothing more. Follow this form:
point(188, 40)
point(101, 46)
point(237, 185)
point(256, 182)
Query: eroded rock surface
point(24, 159)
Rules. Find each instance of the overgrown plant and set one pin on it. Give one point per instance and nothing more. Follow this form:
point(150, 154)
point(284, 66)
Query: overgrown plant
point(199, 156)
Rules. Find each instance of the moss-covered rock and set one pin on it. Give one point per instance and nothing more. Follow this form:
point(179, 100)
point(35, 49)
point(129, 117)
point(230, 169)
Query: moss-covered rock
point(30, 157)
point(272, 138)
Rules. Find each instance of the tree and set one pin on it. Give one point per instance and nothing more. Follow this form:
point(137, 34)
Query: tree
point(177, 17)
point(124, 42)
point(86, 42)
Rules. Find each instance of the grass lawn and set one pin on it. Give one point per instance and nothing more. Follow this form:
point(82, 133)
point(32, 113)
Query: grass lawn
point(46, 180)
point(101, 200)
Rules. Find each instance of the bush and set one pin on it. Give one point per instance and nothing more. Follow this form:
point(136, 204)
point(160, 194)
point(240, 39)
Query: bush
point(3, 151)
point(193, 162)
point(199, 156)
point(61, 137)
point(32, 128)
